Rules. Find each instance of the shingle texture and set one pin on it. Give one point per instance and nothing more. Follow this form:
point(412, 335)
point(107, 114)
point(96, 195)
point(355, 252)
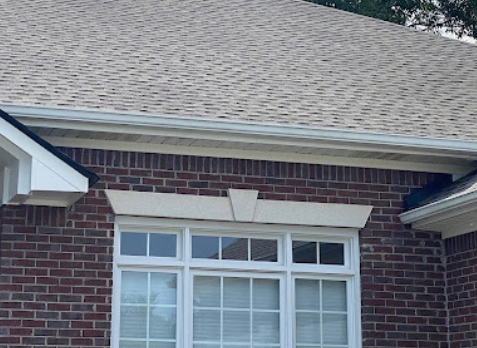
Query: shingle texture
point(272, 61)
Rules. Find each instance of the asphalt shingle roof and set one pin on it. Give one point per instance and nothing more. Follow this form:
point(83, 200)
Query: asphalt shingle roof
point(273, 61)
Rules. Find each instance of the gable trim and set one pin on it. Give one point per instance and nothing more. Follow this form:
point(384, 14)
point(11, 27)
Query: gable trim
point(32, 171)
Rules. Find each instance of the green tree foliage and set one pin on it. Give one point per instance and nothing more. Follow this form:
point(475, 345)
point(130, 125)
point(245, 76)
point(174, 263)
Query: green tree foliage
point(457, 16)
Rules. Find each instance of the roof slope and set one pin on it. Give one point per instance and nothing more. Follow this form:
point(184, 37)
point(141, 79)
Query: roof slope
point(274, 61)
point(464, 186)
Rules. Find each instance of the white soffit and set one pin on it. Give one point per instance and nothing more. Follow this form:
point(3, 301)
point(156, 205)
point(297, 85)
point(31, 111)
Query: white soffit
point(30, 174)
point(451, 217)
point(450, 155)
point(237, 207)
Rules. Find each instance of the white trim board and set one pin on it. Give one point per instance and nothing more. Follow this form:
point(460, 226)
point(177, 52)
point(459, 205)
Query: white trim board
point(261, 134)
point(240, 206)
point(30, 174)
point(451, 217)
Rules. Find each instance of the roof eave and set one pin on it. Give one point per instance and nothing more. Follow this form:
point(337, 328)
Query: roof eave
point(246, 140)
point(103, 120)
point(451, 216)
point(33, 172)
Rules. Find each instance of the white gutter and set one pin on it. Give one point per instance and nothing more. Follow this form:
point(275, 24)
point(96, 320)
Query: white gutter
point(439, 207)
point(106, 121)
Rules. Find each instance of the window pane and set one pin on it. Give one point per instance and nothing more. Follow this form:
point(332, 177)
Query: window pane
point(133, 243)
point(134, 287)
point(265, 294)
point(153, 344)
point(163, 288)
point(266, 327)
point(162, 323)
point(307, 294)
point(133, 322)
point(206, 291)
point(308, 328)
point(164, 245)
point(236, 292)
point(234, 248)
point(332, 253)
point(206, 345)
point(264, 250)
point(132, 344)
point(146, 289)
point(236, 326)
point(304, 252)
point(204, 247)
point(206, 325)
point(335, 329)
point(334, 295)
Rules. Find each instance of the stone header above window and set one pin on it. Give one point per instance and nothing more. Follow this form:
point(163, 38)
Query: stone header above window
point(239, 206)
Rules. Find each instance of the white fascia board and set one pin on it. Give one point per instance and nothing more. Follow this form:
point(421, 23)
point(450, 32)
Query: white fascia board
point(35, 150)
point(451, 217)
point(438, 208)
point(190, 127)
point(35, 176)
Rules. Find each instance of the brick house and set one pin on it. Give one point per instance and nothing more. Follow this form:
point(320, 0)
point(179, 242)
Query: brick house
point(225, 174)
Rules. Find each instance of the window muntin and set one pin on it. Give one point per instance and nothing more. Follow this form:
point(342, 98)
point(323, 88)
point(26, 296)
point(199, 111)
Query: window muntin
point(288, 271)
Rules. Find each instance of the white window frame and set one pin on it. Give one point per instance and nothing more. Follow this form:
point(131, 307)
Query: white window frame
point(186, 267)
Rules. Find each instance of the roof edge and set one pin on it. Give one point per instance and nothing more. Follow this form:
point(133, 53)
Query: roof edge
point(437, 208)
point(92, 177)
point(102, 120)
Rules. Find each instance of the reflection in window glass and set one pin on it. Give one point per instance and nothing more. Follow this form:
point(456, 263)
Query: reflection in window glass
point(264, 249)
point(206, 290)
point(163, 289)
point(204, 247)
point(234, 248)
point(164, 245)
point(332, 253)
point(148, 309)
point(304, 252)
point(134, 243)
point(134, 287)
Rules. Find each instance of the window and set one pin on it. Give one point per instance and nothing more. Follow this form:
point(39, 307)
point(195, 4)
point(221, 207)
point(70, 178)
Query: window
point(225, 285)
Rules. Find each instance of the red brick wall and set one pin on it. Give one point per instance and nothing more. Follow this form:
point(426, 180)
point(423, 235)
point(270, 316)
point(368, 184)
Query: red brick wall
point(462, 289)
point(56, 263)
